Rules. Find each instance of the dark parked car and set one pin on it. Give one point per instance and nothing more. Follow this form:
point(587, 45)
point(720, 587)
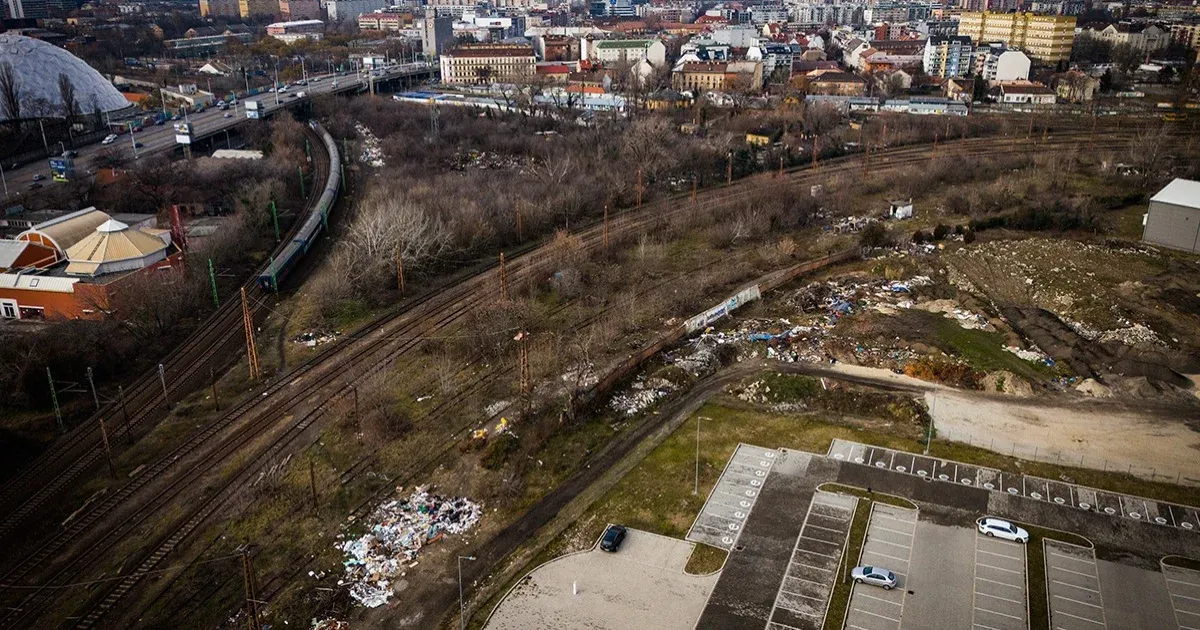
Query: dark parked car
point(613, 537)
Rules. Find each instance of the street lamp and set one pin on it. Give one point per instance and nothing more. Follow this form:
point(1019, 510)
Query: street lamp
point(929, 430)
point(5, 181)
point(132, 142)
point(462, 617)
point(696, 488)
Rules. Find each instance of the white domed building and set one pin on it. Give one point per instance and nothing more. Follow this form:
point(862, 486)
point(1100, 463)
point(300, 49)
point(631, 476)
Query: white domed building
point(37, 65)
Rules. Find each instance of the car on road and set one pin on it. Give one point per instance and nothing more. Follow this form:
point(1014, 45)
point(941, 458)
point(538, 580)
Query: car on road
point(221, 103)
point(109, 139)
point(70, 154)
point(999, 528)
point(34, 186)
point(875, 576)
point(159, 122)
point(138, 145)
point(38, 177)
point(228, 115)
point(613, 537)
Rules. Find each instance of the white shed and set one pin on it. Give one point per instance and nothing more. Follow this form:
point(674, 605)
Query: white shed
point(901, 209)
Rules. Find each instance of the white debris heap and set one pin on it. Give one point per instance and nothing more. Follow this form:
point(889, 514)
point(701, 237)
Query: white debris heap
point(401, 528)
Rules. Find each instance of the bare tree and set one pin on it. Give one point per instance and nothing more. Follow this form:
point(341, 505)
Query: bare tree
point(66, 93)
point(10, 91)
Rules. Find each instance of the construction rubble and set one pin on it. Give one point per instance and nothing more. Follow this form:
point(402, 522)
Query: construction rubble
point(315, 338)
point(398, 531)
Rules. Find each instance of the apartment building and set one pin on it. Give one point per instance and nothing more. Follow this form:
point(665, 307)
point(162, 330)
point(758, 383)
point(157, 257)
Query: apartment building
point(219, 8)
point(488, 63)
point(1186, 34)
point(1045, 38)
point(258, 8)
point(948, 56)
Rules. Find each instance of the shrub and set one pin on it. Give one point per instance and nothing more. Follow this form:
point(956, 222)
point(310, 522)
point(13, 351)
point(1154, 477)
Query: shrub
point(498, 450)
point(918, 237)
point(875, 235)
point(940, 231)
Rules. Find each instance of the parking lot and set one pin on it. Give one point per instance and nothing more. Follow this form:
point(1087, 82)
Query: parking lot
point(889, 544)
point(1073, 586)
point(1184, 587)
point(803, 597)
point(999, 587)
point(728, 506)
point(1048, 490)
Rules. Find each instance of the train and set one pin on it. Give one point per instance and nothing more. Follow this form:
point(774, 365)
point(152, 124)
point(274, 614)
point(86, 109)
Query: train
point(287, 258)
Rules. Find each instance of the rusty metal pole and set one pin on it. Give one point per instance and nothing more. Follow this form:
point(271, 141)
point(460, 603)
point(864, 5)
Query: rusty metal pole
point(503, 279)
point(639, 189)
point(400, 269)
point(112, 467)
point(606, 227)
point(312, 483)
point(729, 170)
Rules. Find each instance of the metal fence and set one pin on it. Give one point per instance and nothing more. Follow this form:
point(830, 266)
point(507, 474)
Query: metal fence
point(1073, 459)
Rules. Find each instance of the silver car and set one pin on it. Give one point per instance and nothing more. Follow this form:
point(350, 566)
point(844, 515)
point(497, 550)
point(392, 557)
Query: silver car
point(874, 576)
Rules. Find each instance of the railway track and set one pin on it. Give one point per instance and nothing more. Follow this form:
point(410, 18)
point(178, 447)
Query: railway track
point(449, 404)
point(78, 451)
point(460, 306)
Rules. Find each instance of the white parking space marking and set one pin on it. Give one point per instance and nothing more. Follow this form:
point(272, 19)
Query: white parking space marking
point(1184, 587)
point(803, 596)
point(1073, 585)
point(720, 521)
point(999, 598)
point(888, 545)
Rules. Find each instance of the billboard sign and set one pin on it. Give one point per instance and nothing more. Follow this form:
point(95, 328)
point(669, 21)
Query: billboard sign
point(183, 132)
point(745, 296)
point(62, 169)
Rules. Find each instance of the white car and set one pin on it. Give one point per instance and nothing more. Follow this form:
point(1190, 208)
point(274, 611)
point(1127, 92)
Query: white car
point(109, 139)
point(875, 576)
point(998, 528)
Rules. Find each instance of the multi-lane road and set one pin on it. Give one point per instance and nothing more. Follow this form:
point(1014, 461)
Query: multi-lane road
point(157, 138)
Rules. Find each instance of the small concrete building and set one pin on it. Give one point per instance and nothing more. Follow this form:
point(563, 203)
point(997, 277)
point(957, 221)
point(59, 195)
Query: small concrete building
point(900, 209)
point(1173, 219)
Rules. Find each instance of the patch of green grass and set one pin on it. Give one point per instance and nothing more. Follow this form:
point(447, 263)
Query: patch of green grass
point(839, 599)
point(705, 560)
point(1035, 562)
point(984, 351)
point(790, 387)
point(863, 493)
point(1182, 562)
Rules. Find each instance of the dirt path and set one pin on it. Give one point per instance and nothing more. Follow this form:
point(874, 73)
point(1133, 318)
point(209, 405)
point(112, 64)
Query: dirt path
point(1148, 440)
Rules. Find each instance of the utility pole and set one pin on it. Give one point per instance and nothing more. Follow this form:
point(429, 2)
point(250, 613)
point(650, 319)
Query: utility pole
point(312, 483)
point(125, 415)
point(780, 165)
point(696, 487)
point(639, 189)
point(212, 377)
point(54, 399)
point(1029, 133)
point(400, 268)
point(251, 348)
point(883, 140)
point(526, 383)
point(112, 467)
point(503, 278)
point(866, 158)
point(462, 611)
point(729, 169)
point(933, 151)
point(92, 385)
point(162, 379)
point(520, 237)
point(695, 185)
point(212, 279)
point(816, 145)
point(606, 227)
point(252, 616)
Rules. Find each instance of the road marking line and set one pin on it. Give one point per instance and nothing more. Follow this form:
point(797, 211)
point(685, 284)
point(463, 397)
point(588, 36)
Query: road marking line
point(1099, 623)
point(1086, 575)
point(884, 555)
point(1082, 588)
point(979, 625)
point(817, 553)
point(841, 532)
point(801, 595)
point(894, 531)
point(1083, 560)
point(992, 566)
point(879, 599)
point(1187, 612)
point(1185, 597)
point(867, 612)
point(792, 577)
point(880, 540)
point(997, 612)
point(801, 564)
point(1001, 598)
point(1002, 555)
point(1000, 583)
point(1062, 597)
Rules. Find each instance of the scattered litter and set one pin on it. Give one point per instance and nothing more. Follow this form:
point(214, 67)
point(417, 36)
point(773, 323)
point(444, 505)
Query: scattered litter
point(850, 225)
point(645, 392)
point(330, 624)
point(401, 527)
point(372, 154)
point(316, 338)
point(486, 160)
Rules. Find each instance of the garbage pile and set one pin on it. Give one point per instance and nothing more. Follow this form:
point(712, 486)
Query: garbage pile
point(401, 528)
point(1033, 354)
point(315, 338)
point(643, 393)
point(850, 225)
point(330, 624)
point(485, 160)
point(372, 154)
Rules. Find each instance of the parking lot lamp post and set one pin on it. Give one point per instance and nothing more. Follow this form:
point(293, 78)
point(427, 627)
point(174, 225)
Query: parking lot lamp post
point(3, 180)
point(696, 487)
point(929, 429)
point(462, 617)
